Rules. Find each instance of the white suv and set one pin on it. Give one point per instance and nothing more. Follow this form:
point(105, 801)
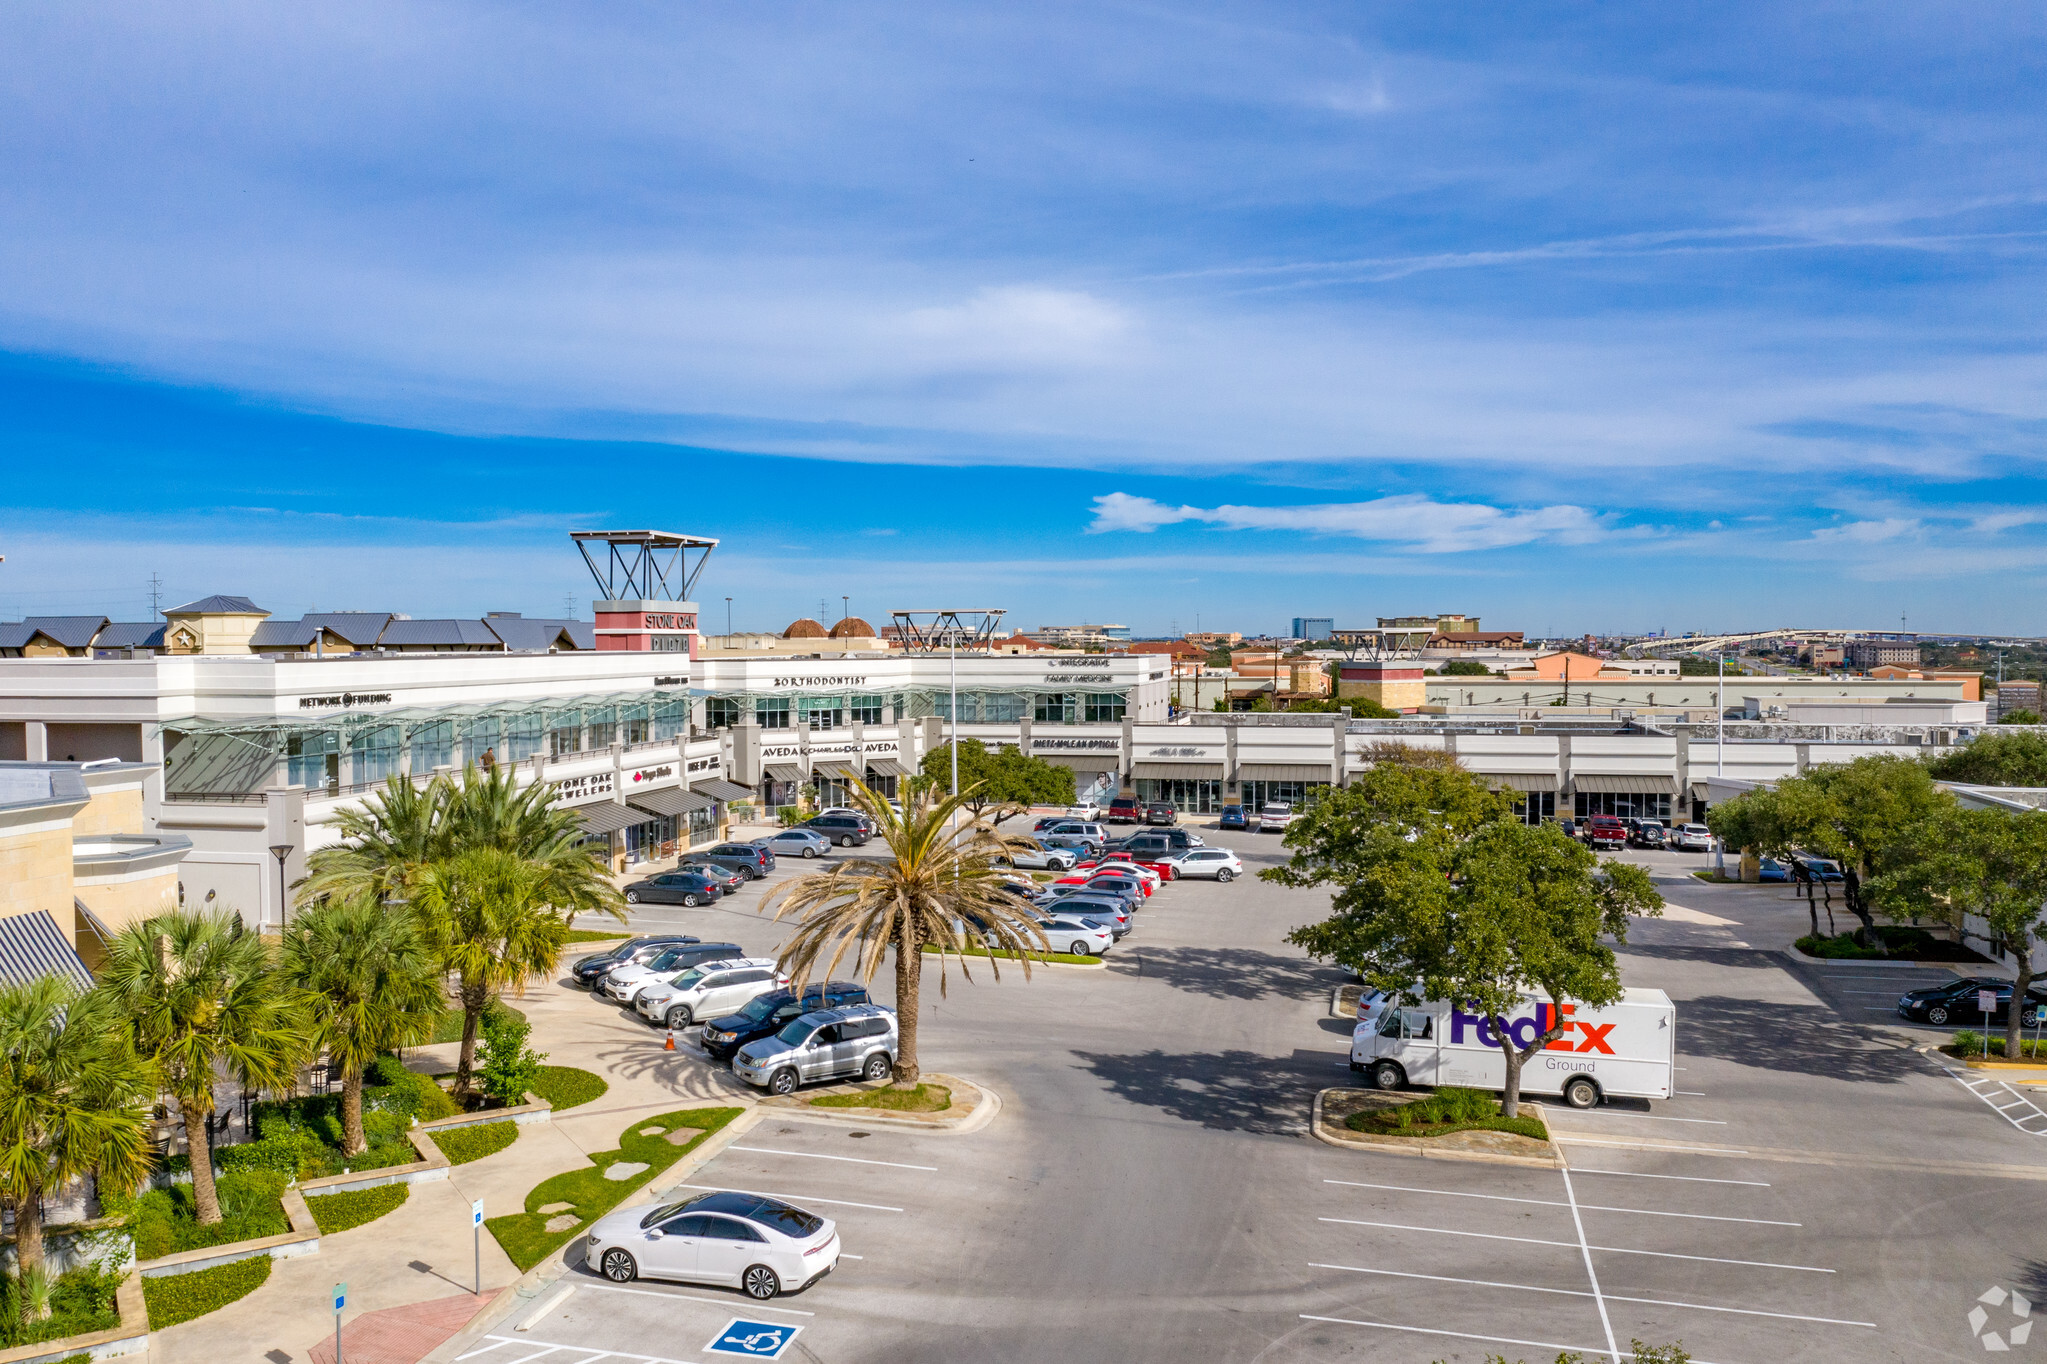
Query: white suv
point(1273, 818)
point(1219, 863)
point(712, 990)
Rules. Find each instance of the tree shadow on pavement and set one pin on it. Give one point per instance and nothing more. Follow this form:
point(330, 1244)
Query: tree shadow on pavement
point(1233, 1091)
point(683, 1072)
point(1804, 1039)
point(1747, 958)
point(1233, 972)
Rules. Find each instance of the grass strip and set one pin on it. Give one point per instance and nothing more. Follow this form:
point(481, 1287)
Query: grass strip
point(173, 1298)
point(567, 1087)
point(1449, 1109)
point(582, 935)
point(1006, 955)
point(450, 1027)
point(342, 1211)
point(464, 1144)
point(525, 1237)
point(923, 1099)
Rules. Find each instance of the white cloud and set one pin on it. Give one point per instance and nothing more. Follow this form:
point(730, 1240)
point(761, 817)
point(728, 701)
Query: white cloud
point(1433, 527)
point(1870, 532)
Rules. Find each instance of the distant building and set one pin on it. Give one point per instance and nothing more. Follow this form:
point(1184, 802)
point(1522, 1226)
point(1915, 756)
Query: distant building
point(1446, 624)
point(1972, 681)
point(1399, 686)
point(1314, 627)
point(1082, 636)
point(1864, 654)
point(1473, 640)
point(2014, 695)
point(1208, 639)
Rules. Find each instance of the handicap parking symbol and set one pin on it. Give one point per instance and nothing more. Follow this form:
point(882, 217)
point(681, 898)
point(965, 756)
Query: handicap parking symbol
point(753, 1339)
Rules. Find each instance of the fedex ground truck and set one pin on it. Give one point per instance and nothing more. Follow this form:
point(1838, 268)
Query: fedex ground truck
point(1624, 1048)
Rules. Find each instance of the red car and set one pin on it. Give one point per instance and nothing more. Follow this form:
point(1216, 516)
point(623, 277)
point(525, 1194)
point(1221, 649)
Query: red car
point(1606, 831)
point(1164, 871)
point(1124, 810)
point(1080, 876)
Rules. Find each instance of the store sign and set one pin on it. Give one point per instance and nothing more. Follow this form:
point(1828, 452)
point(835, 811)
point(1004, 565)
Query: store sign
point(1110, 745)
point(671, 681)
point(781, 750)
point(881, 746)
point(684, 621)
point(646, 774)
point(1074, 663)
point(668, 644)
point(347, 698)
point(845, 681)
point(1199, 751)
point(1081, 677)
point(589, 786)
point(708, 763)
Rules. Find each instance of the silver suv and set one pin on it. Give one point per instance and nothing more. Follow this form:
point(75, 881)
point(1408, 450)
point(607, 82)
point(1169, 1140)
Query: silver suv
point(858, 1041)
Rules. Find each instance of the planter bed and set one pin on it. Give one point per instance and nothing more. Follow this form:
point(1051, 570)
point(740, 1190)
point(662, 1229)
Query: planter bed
point(1048, 958)
point(82, 1302)
point(339, 1212)
point(175, 1298)
point(1900, 944)
point(925, 1098)
point(475, 1140)
point(1354, 1118)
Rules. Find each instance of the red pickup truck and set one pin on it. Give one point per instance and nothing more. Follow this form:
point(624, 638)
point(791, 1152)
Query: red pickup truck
point(1606, 831)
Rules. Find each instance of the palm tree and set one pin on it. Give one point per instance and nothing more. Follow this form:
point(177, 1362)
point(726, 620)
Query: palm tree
point(942, 889)
point(371, 986)
point(491, 810)
point(74, 1100)
point(387, 837)
point(203, 996)
point(487, 921)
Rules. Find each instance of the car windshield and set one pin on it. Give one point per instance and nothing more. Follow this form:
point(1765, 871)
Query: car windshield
point(667, 1210)
point(665, 960)
point(761, 1006)
point(795, 1034)
point(689, 978)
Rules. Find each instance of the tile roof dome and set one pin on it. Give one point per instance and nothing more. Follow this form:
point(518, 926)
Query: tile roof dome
point(806, 628)
point(852, 627)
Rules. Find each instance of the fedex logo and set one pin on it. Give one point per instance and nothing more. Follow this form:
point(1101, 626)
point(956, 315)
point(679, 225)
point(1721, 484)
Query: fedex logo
point(1526, 1028)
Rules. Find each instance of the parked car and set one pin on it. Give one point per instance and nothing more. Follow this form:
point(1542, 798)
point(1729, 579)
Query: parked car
point(1158, 841)
point(673, 888)
point(1045, 823)
point(860, 815)
point(589, 970)
point(1818, 868)
point(710, 989)
point(1081, 902)
point(1158, 812)
point(749, 1241)
point(1083, 937)
point(1043, 859)
point(1157, 868)
point(1131, 886)
point(1274, 817)
point(1233, 817)
point(797, 842)
point(1645, 833)
point(1956, 1002)
point(830, 1044)
point(726, 879)
point(1606, 831)
point(624, 985)
point(1218, 863)
point(1770, 869)
point(752, 858)
point(766, 1014)
point(1123, 888)
point(848, 831)
point(1570, 827)
point(1691, 838)
point(1123, 810)
point(1079, 844)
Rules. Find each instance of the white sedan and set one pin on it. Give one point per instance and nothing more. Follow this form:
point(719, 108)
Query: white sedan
point(1217, 863)
point(747, 1241)
point(1076, 935)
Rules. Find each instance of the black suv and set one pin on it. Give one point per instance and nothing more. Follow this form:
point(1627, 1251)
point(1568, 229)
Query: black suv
point(845, 830)
point(1158, 812)
point(1645, 833)
point(750, 859)
point(1155, 841)
point(588, 970)
point(767, 1013)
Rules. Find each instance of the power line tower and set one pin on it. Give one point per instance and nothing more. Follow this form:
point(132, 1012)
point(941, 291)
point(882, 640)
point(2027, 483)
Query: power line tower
point(155, 595)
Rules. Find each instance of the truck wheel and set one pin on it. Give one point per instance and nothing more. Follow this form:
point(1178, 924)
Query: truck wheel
point(1581, 1093)
point(1386, 1075)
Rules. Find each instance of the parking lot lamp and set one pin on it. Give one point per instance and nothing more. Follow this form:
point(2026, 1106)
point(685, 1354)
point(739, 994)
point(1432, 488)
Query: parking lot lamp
point(921, 636)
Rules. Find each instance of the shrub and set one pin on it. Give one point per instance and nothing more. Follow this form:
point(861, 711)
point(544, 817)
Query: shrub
point(505, 1065)
point(567, 1087)
point(464, 1144)
point(173, 1298)
point(80, 1300)
point(166, 1221)
point(341, 1211)
point(1449, 1109)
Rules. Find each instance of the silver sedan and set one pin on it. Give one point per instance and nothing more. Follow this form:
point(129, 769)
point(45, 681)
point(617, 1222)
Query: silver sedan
point(796, 843)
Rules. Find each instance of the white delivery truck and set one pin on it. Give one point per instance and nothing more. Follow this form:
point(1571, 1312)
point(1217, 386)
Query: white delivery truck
point(1621, 1049)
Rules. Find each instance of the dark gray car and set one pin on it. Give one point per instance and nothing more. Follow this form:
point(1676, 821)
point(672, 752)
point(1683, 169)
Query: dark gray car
point(848, 831)
point(753, 859)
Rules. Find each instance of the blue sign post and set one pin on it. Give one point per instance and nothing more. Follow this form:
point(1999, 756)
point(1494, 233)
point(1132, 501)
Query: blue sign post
point(752, 1339)
point(340, 1301)
point(476, 1233)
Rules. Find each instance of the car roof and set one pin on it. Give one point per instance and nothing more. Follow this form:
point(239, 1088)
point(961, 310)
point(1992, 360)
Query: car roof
point(845, 1013)
point(748, 1205)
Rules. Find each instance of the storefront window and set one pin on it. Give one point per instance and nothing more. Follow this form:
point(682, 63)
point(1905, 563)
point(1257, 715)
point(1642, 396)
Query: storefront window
point(772, 712)
point(721, 712)
point(671, 717)
point(523, 737)
point(1294, 793)
point(1057, 708)
point(485, 734)
point(703, 827)
point(1003, 707)
point(1104, 707)
point(651, 841)
point(632, 725)
point(1535, 807)
point(311, 758)
point(867, 710)
point(374, 755)
point(882, 784)
point(564, 732)
point(603, 727)
point(433, 745)
point(1624, 804)
point(824, 712)
point(1188, 797)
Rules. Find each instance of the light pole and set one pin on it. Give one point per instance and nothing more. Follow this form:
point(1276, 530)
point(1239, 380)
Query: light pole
point(845, 606)
point(728, 621)
point(1720, 716)
point(280, 851)
point(922, 637)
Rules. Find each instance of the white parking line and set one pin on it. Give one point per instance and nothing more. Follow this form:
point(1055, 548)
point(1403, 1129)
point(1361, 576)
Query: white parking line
point(791, 1198)
point(1574, 1205)
point(1689, 1179)
point(1615, 1297)
point(1464, 1335)
point(1626, 1145)
point(1690, 1093)
point(1578, 1224)
point(587, 1354)
point(1988, 1090)
point(1538, 1241)
point(850, 1160)
point(1652, 1117)
point(749, 1306)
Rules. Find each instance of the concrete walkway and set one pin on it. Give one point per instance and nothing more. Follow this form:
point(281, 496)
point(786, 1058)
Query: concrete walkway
point(425, 1250)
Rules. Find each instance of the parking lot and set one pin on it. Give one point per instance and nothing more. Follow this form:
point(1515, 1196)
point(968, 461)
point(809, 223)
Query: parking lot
point(1818, 1190)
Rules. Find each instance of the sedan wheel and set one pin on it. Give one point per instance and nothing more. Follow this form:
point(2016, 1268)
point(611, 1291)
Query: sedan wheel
point(1225, 875)
point(809, 851)
point(877, 1068)
point(632, 897)
point(2030, 1018)
point(1937, 1015)
point(678, 1017)
point(690, 901)
point(782, 1081)
point(761, 1283)
point(1079, 948)
point(619, 1267)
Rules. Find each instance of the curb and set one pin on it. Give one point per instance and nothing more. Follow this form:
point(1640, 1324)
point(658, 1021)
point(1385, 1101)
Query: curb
point(986, 1109)
point(519, 1295)
point(1395, 1146)
point(1838, 964)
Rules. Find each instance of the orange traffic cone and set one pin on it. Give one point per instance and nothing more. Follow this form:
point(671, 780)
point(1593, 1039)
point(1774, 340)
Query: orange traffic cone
point(669, 1045)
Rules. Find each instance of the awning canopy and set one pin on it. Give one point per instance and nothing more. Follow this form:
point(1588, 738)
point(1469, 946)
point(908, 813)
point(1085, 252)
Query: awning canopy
point(1634, 785)
point(605, 817)
point(887, 767)
point(1523, 781)
point(785, 772)
point(835, 771)
point(669, 800)
point(32, 946)
point(92, 921)
point(1084, 762)
point(717, 788)
point(1178, 772)
point(1283, 772)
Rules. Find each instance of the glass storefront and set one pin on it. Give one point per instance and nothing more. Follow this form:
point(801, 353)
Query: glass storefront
point(1188, 797)
point(1625, 804)
point(651, 841)
point(1535, 807)
point(1294, 793)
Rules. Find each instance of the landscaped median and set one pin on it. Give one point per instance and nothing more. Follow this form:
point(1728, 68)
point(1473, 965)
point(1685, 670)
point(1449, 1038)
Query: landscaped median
point(1036, 958)
point(937, 1103)
point(562, 1207)
point(1449, 1124)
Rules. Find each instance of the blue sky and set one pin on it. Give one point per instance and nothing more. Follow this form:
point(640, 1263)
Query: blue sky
point(1577, 317)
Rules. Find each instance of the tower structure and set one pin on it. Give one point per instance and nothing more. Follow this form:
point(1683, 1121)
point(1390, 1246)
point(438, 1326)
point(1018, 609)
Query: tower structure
point(645, 580)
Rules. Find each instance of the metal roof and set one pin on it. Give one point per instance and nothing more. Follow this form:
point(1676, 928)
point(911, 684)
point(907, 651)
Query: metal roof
point(669, 800)
point(14, 633)
point(32, 946)
point(605, 817)
point(717, 788)
point(525, 633)
point(138, 634)
point(283, 634)
point(660, 539)
point(357, 627)
point(218, 605)
point(73, 632)
point(462, 633)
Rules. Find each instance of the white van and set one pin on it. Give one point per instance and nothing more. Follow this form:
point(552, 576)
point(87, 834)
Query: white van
point(1621, 1049)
